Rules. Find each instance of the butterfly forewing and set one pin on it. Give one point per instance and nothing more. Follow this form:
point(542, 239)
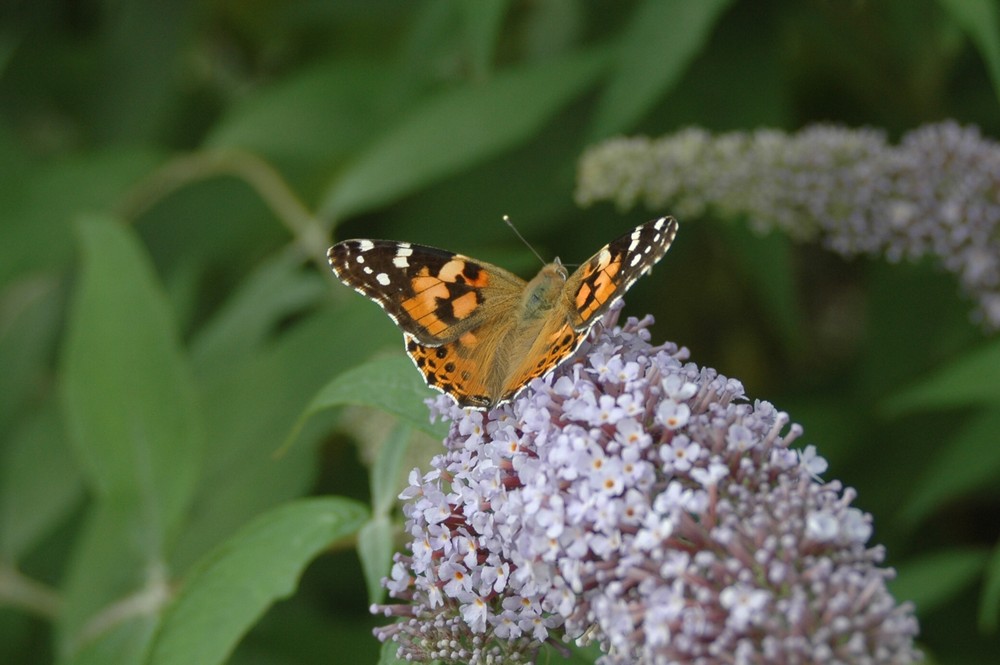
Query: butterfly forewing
point(432, 294)
point(605, 278)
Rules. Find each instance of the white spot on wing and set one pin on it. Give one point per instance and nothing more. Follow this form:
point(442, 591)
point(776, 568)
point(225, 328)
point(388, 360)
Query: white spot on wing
point(368, 270)
point(365, 245)
point(382, 279)
point(360, 259)
point(400, 261)
point(635, 240)
point(636, 259)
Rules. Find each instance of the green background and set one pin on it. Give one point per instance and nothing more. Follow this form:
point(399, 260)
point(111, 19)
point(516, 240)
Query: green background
point(186, 474)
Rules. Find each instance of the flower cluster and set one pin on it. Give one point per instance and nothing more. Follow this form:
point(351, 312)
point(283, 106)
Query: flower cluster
point(935, 194)
point(638, 500)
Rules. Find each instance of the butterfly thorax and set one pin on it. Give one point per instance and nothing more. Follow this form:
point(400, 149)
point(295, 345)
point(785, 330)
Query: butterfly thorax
point(543, 292)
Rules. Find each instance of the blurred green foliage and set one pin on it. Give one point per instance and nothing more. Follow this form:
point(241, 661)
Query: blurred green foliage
point(172, 172)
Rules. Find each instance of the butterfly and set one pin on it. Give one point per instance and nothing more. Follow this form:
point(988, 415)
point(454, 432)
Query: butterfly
point(480, 333)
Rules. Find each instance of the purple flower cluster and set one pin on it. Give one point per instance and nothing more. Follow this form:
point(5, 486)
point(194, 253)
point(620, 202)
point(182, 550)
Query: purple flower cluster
point(637, 500)
point(935, 194)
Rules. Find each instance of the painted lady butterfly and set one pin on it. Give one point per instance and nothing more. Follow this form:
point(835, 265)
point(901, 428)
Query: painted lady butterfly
point(479, 333)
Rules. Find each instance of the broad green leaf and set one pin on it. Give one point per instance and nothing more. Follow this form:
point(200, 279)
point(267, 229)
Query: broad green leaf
point(389, 383)
point(934, 579)
point(767, 261)
point(661, 39)
point(375, 549)
point(134, 93)
point(233, 586)
point(39, 205)
point(385, 472)
point(989, 605)
point(966, 462)
point(375, 542)
point(251, 402)
point(30, 315)
point(316, 116)
point(276, 289)
point(130, 402)
point(457, 129)
point(971, 380)
point(127, 643)
point(482, 24)
point(300, 632)
point(129, 407)
point(583, 655)
point(981, 20)
point(388, 655)
point(112, 580)
point(40, 483)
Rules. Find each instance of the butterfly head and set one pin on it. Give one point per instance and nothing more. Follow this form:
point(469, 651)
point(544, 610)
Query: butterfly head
point(557, 268)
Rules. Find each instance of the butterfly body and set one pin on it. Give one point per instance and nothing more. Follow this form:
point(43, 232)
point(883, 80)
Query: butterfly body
point(480, 333)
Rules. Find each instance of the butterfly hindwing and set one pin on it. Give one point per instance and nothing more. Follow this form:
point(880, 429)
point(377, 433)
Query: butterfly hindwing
point(452, 368)
point(556, 342)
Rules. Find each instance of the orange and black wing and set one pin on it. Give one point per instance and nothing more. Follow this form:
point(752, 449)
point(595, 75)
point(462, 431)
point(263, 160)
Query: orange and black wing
point(432, 294)
point(605, 278)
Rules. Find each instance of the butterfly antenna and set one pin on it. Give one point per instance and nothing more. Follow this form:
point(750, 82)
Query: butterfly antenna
point(513, 228)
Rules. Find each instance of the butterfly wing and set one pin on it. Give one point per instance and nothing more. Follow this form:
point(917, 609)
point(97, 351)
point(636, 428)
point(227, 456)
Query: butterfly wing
point(589, 293)
point(556, 342)
point(458, 368)
point(605, 278)
point(433, 295)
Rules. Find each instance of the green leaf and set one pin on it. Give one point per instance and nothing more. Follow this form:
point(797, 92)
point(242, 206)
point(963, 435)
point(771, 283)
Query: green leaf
point(316, 116)
point(254, 398)
point(232, 587)
point(40, 205)
point(385, 472)
point(375, 543)
point(31, 312)
point(125, 644)
point(933, 580)
point(767, 262)
point(112, 582)
point(129, 397)
point(40, 483)
point(661, 39)
point(970, 380)
point(389, 383)
point(459, 128)
point(483, 21)
point(388, 655)
point(375, 548)
point(967, 462)
point(134, 95)
point(981, 20)
point(276, 289)
point(129, 407)
point(989, 606)
point(582, 655)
